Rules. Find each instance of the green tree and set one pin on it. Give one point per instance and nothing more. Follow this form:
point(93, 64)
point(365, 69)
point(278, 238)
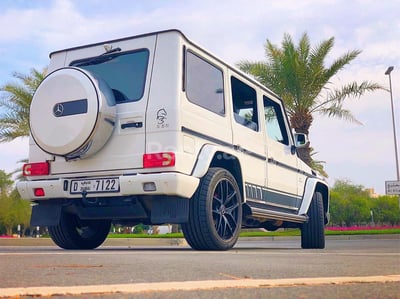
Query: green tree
point(15, 103)
point(350, 204)
point(386, 210)
point(299, 75)
point(13, 210)
point(5, 187)
point(22, 210)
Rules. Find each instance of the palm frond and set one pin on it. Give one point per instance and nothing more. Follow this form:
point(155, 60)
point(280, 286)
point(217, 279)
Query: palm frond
point(319, 52)
point(318, 165)
point(350, 90)
point(256, 69)
point(340, 63)
point(15, 102)
point(337, 111)
point(304, 47)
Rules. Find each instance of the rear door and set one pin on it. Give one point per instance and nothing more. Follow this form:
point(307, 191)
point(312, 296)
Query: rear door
point(282, 168)
point(247, 137)
point(127, 71)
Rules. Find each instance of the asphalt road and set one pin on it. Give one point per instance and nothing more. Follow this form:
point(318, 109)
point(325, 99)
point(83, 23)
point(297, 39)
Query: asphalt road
point(256, 268)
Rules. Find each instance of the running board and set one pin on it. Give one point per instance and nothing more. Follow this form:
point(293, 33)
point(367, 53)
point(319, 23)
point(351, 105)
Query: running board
point(256, 212)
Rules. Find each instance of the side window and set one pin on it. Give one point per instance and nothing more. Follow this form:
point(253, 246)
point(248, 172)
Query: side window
point(244, 105)
point(274, 121)
point(204, 84)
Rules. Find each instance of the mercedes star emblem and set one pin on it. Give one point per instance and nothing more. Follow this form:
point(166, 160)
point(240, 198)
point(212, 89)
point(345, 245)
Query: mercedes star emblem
point(58, 109)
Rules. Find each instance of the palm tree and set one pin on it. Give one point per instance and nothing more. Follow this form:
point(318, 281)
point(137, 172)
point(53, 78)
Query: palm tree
point(298, 74)
point(17, 98)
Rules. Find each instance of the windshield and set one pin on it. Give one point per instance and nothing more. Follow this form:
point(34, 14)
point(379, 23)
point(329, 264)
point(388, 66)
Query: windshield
point(125, 73)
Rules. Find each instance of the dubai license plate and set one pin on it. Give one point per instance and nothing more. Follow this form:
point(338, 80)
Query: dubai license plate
point(102, 185)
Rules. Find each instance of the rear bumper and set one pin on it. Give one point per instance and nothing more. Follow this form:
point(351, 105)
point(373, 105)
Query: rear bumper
point(171, 183)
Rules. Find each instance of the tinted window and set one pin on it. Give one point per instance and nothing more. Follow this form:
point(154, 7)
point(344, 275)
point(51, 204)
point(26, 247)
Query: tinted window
point(244, 100)
point(274, 121)
point(204, 84)
point(125, 73)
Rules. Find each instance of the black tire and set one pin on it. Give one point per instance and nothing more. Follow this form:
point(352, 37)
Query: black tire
point(313, 231)
point(74, 233)
point(215, 214)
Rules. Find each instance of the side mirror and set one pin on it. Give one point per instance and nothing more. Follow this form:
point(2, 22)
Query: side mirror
point(300, 140)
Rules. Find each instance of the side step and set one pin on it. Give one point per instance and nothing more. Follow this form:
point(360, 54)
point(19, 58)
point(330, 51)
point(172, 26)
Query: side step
point(257, 212)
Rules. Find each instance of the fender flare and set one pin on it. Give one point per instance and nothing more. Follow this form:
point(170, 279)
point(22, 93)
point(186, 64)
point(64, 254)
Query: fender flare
point(205, 157)
point(211, 155)
point(315, 184)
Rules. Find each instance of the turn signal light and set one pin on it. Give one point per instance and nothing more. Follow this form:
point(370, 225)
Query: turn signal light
point(34, 169)
point(158, 160)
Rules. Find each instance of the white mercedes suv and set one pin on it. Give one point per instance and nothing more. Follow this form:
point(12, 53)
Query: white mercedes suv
point(154, 129)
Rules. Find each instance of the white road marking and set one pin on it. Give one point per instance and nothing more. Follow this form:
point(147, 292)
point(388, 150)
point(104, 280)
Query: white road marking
point(169, 252)
point(192, 285)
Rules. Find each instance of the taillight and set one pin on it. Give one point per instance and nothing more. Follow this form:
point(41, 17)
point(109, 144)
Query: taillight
point(34, 169)
point(158, 160)
point(39, 192)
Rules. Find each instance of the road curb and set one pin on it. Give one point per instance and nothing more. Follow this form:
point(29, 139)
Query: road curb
point(180, 241)
point(199, 285)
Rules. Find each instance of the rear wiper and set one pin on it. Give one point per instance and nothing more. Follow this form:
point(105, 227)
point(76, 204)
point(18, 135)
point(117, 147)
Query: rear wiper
point(102, 57)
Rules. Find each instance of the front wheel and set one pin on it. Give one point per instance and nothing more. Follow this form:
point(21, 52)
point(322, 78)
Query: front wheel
point(313, 231)
point(215, 215)
point(75, 233)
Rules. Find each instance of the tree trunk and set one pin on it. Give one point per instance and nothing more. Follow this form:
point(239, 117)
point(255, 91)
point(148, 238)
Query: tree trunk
point(9, 231)
point(156, 230)
point(175, 228)
point(305, 154)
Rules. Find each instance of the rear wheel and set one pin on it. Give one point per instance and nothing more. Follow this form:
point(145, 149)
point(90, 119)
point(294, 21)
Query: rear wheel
point(215, 214)
point(75, 233)
point(313, 232)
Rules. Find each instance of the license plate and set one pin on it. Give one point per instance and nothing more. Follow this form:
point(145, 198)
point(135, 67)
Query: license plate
point(103, 185)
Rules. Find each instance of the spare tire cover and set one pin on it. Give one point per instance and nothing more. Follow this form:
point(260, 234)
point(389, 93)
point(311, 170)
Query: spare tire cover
point(72, 113)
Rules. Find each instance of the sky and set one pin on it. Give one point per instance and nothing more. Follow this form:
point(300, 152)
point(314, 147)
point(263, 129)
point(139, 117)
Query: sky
point(235, 30)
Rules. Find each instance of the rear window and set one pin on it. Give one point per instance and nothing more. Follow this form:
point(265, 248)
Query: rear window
point(124, 72)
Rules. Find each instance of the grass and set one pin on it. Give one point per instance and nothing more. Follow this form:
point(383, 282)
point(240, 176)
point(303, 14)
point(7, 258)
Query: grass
point(364, 232)
point(160, 236)
point(285, 233)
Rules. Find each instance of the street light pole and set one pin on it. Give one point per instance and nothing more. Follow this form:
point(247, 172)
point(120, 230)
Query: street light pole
point(388, 71)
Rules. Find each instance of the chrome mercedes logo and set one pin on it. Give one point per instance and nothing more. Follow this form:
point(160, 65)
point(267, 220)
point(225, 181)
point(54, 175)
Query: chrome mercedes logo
point(58, 109)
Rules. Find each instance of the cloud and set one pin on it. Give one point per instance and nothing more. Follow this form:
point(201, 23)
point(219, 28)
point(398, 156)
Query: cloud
point(13, 152)
point(233, 30)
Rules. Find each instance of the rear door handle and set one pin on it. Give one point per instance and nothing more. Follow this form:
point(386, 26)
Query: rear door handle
point(132, 125)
